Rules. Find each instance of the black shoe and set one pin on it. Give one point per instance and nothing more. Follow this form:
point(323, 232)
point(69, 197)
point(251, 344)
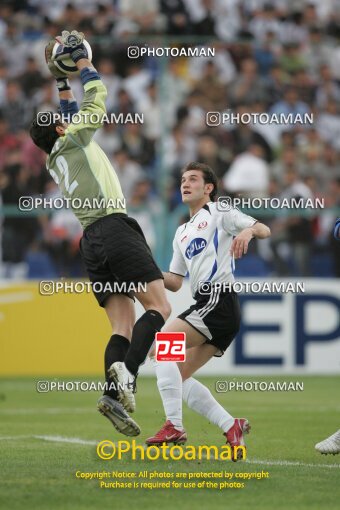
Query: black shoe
point(115, 412)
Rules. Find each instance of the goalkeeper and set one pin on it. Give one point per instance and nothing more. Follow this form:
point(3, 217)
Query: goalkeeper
point(113, 246)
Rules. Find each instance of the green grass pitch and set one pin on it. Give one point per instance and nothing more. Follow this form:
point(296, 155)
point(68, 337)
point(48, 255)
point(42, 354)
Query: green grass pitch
point(38, 472)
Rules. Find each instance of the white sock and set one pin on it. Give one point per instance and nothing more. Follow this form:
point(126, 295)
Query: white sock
point(199, 399)
point(169, 382)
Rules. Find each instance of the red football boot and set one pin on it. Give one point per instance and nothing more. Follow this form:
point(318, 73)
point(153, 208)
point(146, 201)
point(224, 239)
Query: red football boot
point(235, 436)
point(168, 434)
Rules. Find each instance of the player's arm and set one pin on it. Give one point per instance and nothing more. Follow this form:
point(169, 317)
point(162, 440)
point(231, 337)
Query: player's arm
point(260, 230)
point(68, 103)
point(173, 281)
point(92, 109)
point(244, 228)
point(240, 243)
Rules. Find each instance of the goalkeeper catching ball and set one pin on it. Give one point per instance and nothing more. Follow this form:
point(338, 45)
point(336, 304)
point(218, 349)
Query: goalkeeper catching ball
point(113, 246)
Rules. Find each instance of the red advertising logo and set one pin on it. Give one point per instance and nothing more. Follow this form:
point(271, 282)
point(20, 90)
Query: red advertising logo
point(170, 346)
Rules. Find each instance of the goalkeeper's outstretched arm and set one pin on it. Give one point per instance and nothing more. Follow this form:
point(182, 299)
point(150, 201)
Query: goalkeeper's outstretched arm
point(82, 63)
point(68, 103)
point(92, 109)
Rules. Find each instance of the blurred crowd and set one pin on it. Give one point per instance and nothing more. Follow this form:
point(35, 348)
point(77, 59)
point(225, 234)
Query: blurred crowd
point(277, 57)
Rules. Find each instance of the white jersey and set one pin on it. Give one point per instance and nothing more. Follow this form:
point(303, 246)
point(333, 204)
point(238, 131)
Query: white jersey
point(202, 245)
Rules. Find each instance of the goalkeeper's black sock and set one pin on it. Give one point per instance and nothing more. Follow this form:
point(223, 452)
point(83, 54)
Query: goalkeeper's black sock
point(115, 350)
point(143, 335)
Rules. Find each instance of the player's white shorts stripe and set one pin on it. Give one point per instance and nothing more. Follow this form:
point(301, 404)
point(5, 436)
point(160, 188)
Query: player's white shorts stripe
point(213, 304)
point(204, 311)
point(208, 303)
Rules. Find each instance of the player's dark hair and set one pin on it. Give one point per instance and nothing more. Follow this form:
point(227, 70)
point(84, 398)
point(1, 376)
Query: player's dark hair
point(209, 176)
point(43, 133)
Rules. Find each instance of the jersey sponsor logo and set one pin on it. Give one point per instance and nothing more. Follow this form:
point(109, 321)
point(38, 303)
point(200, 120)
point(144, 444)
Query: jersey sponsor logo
point(196, 246)
point(202, 225)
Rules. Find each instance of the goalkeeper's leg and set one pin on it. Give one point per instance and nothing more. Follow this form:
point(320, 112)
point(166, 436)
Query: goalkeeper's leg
point(157, 310)
point(121, 313)
point(120, 310)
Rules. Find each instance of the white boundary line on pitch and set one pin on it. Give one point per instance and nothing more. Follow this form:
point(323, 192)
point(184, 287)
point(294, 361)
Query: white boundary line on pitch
point(290, 463)
point(55, 439)
point(77, 440)
point(47, 410)
point(61, 439)
point(13, 438)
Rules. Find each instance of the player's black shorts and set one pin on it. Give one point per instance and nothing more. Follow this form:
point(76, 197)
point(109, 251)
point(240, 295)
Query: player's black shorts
point(117, 256)
point(217, 316)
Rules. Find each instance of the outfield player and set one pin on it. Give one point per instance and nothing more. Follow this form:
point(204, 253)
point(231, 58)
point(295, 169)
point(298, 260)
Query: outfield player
point(113, 246)
point(204, 247)
point(332, 443)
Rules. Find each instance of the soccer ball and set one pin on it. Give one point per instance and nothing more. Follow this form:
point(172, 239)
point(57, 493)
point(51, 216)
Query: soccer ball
point(67, 65)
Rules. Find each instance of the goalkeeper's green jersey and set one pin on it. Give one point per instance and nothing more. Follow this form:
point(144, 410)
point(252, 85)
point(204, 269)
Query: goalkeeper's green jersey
point(80, 167)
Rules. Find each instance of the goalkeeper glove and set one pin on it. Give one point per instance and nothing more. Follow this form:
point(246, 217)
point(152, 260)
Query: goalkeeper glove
point(62, 81)
point(72, 46)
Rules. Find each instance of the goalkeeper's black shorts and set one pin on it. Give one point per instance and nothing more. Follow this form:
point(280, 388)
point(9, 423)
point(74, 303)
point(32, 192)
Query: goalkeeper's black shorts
point(117, 257)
